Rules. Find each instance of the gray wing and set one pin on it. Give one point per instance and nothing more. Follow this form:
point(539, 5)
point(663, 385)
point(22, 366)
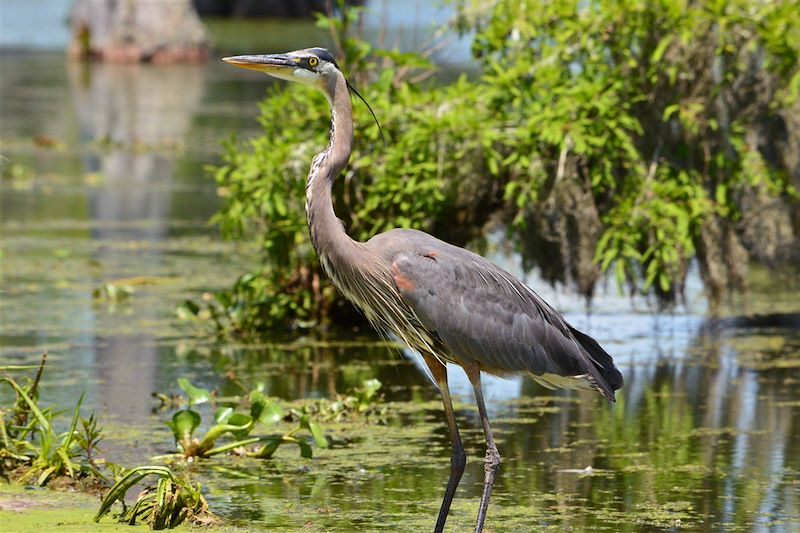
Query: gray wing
point(482, 313)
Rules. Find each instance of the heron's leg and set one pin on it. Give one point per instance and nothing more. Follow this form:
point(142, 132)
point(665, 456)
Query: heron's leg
point(458, 459)
point(492, 461)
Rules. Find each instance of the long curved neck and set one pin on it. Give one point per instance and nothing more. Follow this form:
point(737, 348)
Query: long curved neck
point(332, 243)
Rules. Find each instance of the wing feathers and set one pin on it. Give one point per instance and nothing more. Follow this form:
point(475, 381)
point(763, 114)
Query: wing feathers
point(483, 314)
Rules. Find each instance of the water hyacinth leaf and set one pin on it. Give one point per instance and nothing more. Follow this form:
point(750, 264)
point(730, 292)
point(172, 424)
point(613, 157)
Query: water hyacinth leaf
point(238, 425)
point(216, 432)
point(315, 430)
point(232, 446)
point(184, 423)
point(370, 388)
point(305, 450)
point(222, 414)
point(242, 423)
point(258, 403)
point(196, 395)
point(272, 414)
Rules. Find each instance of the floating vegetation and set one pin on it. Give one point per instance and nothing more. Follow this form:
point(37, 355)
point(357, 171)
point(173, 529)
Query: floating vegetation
point(113, 293)
point(363, 401)
point(230, 420)
point(172, 501)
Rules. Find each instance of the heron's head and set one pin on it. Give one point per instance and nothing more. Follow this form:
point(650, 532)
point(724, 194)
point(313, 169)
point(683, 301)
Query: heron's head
point(312, 66)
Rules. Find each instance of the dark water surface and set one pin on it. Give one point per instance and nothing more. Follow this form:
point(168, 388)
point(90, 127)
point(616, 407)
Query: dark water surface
point(103, 180)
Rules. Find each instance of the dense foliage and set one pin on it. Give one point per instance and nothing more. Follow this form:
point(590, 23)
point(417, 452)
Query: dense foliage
point(661, 128)
point(634, 136)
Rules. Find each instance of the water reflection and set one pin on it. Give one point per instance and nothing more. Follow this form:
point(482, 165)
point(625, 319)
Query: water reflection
point(140, 114)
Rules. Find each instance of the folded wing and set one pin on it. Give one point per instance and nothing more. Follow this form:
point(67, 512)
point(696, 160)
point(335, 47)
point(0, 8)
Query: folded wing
point(483, 314)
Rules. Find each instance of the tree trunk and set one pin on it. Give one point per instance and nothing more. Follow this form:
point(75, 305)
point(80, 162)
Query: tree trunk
point(136, 31)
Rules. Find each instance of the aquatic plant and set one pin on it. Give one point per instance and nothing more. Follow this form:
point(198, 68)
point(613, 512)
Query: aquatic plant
point(113, 292)
point(361, 402)
point(173, 500)
point(31, 450)
point(240, 425)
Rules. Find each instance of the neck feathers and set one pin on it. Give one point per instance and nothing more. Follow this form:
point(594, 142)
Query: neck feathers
point(328, 236)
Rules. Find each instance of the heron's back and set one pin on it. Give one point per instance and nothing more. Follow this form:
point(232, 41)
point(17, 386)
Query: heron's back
point(474, 311)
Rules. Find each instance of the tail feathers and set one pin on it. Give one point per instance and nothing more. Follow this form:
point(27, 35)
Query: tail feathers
point(603, 363)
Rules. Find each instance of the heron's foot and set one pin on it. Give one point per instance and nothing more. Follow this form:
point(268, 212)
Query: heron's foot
point(490, 465)
point(492, 460)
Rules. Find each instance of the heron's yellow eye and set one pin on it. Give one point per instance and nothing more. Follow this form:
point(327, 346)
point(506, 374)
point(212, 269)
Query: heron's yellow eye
point(312, 61)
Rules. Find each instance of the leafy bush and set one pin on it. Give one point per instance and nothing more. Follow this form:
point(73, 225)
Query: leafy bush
point(628, 136)
point(665, 120)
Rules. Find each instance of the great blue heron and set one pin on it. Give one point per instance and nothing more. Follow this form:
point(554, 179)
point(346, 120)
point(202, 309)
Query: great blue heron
point(447, 303)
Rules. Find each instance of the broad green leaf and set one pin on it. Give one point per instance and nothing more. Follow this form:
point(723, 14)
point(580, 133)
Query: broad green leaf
point(258, 402)
point(196, 395)
point(232, 445)
point(222, 414)
point(305, 450)
point(184, 423)
point(272, 414)
point(315, 430)
point(243, 422)
point(239, 425)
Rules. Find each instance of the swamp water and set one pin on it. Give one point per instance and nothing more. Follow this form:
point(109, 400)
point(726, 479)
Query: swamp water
point(103, 180)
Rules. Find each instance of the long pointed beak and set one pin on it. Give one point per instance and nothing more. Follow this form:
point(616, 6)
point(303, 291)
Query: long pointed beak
point(269, 64)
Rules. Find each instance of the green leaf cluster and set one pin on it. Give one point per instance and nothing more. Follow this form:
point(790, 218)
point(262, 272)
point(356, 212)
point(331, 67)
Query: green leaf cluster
point(228, 421)
point(31, 448)
point(659, 114)
point(363, 403)
point(173, 500)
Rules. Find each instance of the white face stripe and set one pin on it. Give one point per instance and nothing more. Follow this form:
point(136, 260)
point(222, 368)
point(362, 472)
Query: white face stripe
point(306, 77)
point(302, 74)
